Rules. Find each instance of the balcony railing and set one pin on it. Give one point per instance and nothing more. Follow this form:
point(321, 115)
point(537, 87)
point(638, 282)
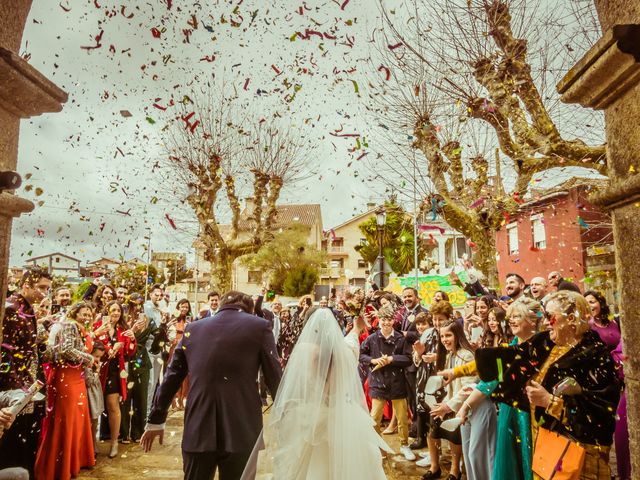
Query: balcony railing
point(336, 249)
point(331, 272)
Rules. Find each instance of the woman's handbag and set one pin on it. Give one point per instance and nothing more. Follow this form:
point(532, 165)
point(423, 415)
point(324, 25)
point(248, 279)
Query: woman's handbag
point(557, 457)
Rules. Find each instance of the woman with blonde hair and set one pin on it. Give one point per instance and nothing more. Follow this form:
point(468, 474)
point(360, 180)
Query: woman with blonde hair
point(566, 378)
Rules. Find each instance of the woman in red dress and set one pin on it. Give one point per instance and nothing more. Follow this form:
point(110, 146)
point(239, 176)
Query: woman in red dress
point(67, 445)
point(120, 346)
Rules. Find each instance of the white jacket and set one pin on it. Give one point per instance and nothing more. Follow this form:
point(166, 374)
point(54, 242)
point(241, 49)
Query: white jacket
point(456, 394)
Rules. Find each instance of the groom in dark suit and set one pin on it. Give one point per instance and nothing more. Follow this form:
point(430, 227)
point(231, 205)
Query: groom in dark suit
point(222, 356)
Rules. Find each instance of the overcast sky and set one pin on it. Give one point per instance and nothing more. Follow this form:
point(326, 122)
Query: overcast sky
point(90, 162)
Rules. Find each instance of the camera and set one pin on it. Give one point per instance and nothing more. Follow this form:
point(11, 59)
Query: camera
point(9, 180)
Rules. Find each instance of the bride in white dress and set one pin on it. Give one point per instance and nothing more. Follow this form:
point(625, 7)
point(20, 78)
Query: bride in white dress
point(319, 427)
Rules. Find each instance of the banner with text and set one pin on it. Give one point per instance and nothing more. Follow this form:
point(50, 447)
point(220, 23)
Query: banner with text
point(428, 285)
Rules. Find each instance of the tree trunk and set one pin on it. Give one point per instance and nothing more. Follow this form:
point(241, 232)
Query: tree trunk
point(484, 257)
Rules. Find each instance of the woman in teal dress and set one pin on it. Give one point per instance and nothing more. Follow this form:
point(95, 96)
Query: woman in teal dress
point(513, 452)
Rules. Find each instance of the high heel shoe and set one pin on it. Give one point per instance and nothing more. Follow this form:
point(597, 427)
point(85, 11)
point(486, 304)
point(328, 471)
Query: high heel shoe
point(390, 430)
point(113, 453)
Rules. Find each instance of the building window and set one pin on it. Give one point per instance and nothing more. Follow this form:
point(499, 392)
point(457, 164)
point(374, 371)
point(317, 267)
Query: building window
point(254, 276)
point(512, 234)
point(337, 263)
point(539, 235)
point(362, 263)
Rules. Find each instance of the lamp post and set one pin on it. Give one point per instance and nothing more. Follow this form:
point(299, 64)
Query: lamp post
point(381, 220)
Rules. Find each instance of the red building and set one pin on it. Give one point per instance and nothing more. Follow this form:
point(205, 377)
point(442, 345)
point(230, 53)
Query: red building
point(559, 230)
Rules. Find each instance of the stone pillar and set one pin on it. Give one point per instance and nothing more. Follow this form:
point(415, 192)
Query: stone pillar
point(608, 78)
point(24, 92)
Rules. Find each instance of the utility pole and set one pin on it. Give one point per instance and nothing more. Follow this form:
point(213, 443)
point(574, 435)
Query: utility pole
point(146, 285)
point(415, 220)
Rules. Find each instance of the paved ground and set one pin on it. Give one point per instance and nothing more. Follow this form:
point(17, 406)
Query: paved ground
point(165, 462)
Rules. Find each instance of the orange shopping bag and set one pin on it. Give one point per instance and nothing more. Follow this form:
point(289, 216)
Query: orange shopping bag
point(557, 457)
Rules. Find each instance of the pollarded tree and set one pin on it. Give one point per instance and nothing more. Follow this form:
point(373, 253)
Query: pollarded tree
point(215, 156)
point(466, 77)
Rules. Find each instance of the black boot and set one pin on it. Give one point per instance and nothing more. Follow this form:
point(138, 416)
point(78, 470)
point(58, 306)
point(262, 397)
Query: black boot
point(421, 431)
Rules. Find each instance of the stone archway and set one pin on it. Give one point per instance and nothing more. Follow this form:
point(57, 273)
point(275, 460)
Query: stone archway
point(24, 93)
point(608, 78)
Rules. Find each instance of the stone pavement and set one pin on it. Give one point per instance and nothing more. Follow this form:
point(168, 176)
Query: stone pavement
point(165, 461)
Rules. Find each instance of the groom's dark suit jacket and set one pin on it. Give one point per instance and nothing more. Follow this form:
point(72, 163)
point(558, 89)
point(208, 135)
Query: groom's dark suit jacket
point(222, 355)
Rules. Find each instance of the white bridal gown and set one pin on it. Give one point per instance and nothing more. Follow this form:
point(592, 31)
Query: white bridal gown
point(320, 428)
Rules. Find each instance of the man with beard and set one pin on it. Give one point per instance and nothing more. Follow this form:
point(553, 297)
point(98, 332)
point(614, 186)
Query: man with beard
point(404, 321)
point(514, 286)
point(121, 294)
point(61, 300)
point(22, 337)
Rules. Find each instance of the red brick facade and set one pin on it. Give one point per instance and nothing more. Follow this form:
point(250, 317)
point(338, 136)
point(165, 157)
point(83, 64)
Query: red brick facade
point(565, 235)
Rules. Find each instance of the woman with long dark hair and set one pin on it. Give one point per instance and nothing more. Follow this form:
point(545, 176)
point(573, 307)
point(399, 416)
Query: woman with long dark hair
point(120, 345)
point(498, 332)
point(601, 320)
point(459, 352)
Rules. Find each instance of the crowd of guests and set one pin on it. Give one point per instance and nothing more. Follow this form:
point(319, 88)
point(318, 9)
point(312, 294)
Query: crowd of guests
point(498, 380)
point(100, 359)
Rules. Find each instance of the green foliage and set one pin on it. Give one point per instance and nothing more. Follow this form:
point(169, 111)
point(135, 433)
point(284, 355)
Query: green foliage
point(397, 240)
point(300, 281)
point(79, 292)
point(286, 253)
point(133, 276)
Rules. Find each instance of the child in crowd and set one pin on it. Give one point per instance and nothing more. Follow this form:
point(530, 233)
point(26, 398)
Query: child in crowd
point(427, 342)
point(94, 390)
point(387, 354)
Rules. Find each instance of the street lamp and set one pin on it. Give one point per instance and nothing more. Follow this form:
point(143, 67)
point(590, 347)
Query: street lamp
point(381, 220)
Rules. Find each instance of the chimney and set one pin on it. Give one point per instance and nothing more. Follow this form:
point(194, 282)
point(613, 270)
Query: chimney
point(249, 204)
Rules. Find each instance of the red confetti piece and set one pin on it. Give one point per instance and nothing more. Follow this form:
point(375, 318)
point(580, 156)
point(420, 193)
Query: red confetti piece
point(246, 84)
point(169, 4)
point(102, 226)
point(98, 40)
point(208, 58)
point(275, 69)
point(344, 4)
point(362, 156)
point(171, 222)
point(155, 32)
point(95, 2)
point(397, 45)
point(189, 125)
point(39, 232)
point(122, 8)
point(387, 72)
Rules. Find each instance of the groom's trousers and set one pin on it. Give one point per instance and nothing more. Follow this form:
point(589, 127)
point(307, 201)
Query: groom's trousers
point(203, 465)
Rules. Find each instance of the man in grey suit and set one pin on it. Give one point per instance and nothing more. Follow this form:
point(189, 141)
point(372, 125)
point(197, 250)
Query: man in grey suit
point(222, 356)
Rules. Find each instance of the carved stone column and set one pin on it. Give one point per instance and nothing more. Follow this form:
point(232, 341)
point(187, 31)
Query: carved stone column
point(24, 92)
point(608, 78)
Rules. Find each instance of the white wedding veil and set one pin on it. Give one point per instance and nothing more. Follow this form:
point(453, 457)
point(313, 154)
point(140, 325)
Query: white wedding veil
point(319, 426)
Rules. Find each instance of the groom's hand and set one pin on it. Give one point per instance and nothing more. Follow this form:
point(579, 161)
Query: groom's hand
point(146, 441)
